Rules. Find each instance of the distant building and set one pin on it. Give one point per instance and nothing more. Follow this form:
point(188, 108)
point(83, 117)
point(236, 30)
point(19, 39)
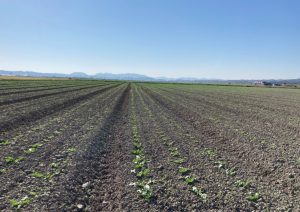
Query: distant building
point(259, 83)
point(267, 83)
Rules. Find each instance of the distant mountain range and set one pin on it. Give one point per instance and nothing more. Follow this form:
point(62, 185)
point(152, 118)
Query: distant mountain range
point(139, 77)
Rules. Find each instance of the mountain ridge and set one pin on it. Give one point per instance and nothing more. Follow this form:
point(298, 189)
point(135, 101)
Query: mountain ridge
point(140, 77)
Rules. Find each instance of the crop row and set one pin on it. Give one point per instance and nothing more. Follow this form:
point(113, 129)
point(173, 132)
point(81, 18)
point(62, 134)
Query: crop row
point(222, 140)
point(58, 165)
point(140, 169)
point(45, 111)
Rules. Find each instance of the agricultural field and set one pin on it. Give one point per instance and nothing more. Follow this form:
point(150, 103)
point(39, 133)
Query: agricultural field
point(91, 145)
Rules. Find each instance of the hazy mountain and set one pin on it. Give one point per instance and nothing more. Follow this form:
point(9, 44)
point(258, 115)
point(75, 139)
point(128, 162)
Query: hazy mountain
point(31, 74)
point(139, 77)
point(127, 76)
point(79, 75)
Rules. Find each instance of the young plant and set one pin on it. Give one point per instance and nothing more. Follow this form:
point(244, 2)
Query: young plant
point(143, 173)
point(190, 180)
point(243, 184)
point(37, 174)
point(33, 148)
point(220, 164)
point(175, 153)
point(12, 160)
point(19, 204)
point(179, 161)
point(230, 172)
point(54, 165)
point(47, 176)
point(9, 160)
point(36, 145)
point(183, 170)
point(200, 193)
point(136, 152)
point(145, 191)
point(139, 160)
point(4, 142)
point(210, 152)
point(253, 197)
point(137, 145)
point(71, 150)
point(173, 149)
point(30, 150)
point(170, 143)
point(298, 161)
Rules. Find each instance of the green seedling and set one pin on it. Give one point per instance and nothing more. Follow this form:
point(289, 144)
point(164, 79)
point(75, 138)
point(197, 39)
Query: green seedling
point(143, 173)
point(140, 163)
point(220, 164)
point(136, 138)
point(54, 165)
point(37, 174)
point(30, 150)
point(243, 184)
point(145, 192)
point(165, 140)
point(4, 143)
point(210, 152)
point(47, 176)
point(33, 194)
point(137, 145)
point(170, 143)
point(253, 197)
point(136, 152)
point(56, 132)
point(230, 172)
point(19, 204)
point(173, 149)
point(33, 148)
point(2, 171)
point(36, 145)
point(200, 193)
point(298, 161)
point(179, 161)
point(190, 180)
point(9, 160)
point(140, 160)
point(12, 160)
point(183, 170)
point(71, 150)
point(263, 142)
point(175, 153)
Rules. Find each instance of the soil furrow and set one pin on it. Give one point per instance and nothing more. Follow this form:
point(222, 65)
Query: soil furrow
point(35, 115)
point(37, 90)
point(89, 167)
point(18, 100)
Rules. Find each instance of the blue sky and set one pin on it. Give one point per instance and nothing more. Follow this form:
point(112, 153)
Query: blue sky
point(228, 39)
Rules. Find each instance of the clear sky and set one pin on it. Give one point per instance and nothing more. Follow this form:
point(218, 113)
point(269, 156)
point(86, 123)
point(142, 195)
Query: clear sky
point(228, 39)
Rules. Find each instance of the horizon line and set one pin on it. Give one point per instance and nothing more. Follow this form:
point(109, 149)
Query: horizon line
point(157, 77)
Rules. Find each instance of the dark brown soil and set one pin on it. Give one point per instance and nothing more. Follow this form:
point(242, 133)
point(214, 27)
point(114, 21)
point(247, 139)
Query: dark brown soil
point(68, 146)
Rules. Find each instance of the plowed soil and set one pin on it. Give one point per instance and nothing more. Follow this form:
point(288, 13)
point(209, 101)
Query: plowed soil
point(83, 145)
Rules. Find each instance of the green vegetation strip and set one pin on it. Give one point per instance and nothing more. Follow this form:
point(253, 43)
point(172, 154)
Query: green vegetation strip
point(140, 169)
point(212, 154)
point(185, 172)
